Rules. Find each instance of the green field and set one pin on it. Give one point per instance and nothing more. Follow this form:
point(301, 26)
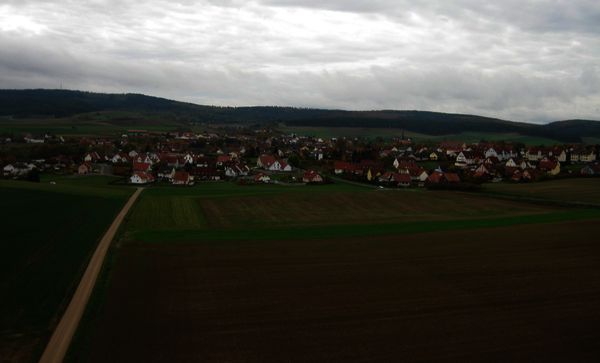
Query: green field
point(162, 212)
point(577, 190)
point(97, 124)
point(49, 232)
point(468, 137)
point(591, 140)
point(229, 211)
point(97, 186)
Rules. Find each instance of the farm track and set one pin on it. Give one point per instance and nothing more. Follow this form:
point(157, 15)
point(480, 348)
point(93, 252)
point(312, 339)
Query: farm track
point(63, 334)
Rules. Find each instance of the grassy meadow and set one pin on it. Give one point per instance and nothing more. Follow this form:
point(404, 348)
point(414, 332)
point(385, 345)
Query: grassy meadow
point(468, 137)
point(227, 211)
point(50, 231)
point(95, 123)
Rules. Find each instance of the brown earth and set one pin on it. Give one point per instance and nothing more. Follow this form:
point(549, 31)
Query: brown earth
point(367, 207)
point(523, 293)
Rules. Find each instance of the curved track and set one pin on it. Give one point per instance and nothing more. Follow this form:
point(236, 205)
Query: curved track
point(63, 334)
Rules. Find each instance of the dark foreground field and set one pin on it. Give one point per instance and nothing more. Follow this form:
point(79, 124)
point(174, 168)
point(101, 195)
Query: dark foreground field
point(48, 234)
point(518, 293)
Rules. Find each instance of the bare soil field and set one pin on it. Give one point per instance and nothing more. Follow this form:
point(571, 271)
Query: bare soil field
point(582, 190)
point(519, 293)
point(367, 207)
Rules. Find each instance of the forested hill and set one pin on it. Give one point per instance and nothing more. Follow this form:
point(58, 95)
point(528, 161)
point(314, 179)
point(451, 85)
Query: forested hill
point(65, 103)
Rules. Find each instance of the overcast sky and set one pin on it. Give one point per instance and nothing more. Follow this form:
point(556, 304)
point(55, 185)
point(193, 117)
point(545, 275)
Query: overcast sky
point(522, 60)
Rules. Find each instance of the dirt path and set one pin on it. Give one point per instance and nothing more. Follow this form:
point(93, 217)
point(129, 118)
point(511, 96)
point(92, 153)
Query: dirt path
point(61, 338)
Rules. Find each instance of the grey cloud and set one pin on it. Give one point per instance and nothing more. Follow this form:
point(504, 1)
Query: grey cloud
point(533, 61)
point(549, 15)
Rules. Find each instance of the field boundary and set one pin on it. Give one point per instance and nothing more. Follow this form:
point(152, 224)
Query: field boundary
point(63, 334)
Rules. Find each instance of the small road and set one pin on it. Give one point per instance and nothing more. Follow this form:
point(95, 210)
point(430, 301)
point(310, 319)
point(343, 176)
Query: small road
point(63, 334)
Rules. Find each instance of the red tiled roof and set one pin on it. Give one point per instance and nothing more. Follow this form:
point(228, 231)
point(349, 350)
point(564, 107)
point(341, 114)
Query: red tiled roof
point(342, 165)
point(407, 164)
point(144, 176)
point(267, 160)
point(141, 166)
point(402, 178)
point(435, 177)
point(259, 176)
point(182, 176)
point(311, 175)
point(452, 177)
point(547, 164)
point(416, 171)
point(223, 158)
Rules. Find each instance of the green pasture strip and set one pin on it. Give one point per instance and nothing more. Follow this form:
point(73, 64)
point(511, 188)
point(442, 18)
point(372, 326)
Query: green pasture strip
point(162, 212)
point(228, 189)
point(81, 186)
point(490, 136)
point(591, 140)
point(79, 127)
point(469, 137)
point(357, 230)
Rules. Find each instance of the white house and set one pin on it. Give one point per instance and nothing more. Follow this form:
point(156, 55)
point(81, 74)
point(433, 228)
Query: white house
point(140, 177)
point(271, 163)
point(262, 178)
point(491, 152)
point(526, 165)
point(587, 157)
point(9, 170)
point(463, 159)
point(189, 158)
point(419, 175)
point(534, 155)
point(236, 170)
point(510, 163)
point(506, 154)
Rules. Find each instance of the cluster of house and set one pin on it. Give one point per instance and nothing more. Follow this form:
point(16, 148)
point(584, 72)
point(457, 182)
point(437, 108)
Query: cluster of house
point(530, 164)
point(185, 168)
point(455, 162)
point(56, 164)
point(17, 169)
point(406, 173)
point(255, 155)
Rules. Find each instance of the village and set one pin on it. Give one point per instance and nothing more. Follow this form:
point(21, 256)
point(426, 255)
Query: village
point(267, 156)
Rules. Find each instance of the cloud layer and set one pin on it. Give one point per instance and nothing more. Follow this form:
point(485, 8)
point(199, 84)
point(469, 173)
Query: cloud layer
point(534, 62)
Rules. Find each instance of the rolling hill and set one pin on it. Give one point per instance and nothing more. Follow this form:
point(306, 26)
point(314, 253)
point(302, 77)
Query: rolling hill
point(39, 103)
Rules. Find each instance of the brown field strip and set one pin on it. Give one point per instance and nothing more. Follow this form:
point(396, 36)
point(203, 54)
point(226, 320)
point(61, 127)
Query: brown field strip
point(526, 293)
point(576, 190)
point(368, 207)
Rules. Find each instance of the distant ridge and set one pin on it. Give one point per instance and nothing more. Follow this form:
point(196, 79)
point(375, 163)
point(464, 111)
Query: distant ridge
point(65, 103)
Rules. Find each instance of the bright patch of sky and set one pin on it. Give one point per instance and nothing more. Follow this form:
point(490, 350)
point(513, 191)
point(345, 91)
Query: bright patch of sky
point(533, 61)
